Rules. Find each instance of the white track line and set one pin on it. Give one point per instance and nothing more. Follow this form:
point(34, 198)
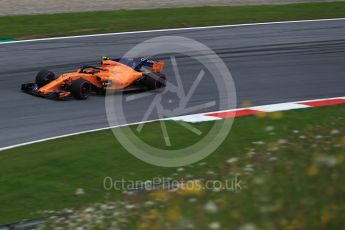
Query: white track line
point(191, 118)
point(279, 107)
point(173, 29)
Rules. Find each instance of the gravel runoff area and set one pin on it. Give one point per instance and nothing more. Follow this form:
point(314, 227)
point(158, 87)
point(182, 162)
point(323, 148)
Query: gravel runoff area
point(24, 7)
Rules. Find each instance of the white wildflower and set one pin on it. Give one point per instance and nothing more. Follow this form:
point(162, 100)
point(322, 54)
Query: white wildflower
point(129, 206)
point(282, 141)
point(211, 207)
point(258, 180)
point(89, 210)
point(327, 160)
point(335, 132)
point(188, 175)
point(79, 191)
point(267, 209)
point(149, 203)
point(111, 206)
point(216, 189)
point(68, 211)
point(192, 200)
point(214, 225)
point(185, 224)
point(248, 226)
point(269, 128)
point(209, 172)
point(272, 159)
point(251, 153)
point(258, 142)
point(248, 169)
point(231, 160)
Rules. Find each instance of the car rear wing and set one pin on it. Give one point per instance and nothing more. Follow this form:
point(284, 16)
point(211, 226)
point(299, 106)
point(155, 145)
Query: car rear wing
point(156, 66)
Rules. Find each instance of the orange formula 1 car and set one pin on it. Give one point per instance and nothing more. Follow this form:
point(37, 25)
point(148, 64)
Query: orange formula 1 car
point(113, 74)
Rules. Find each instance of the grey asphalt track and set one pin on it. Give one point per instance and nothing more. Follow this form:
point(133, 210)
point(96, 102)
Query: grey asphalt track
point(269, 63)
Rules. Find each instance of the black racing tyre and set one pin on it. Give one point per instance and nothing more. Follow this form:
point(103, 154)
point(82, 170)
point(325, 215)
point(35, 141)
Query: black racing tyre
point(154, 80)
point(44, 77)
point(80, 89)
point(161, 81)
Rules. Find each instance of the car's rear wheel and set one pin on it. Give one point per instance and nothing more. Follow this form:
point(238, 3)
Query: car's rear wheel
point(81, 89)
point(154, 80)
point(44, 77)
point(161, 81)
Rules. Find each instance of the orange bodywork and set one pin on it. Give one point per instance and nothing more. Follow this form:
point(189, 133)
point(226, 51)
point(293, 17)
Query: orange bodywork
point(158, 66)
point(114, 74)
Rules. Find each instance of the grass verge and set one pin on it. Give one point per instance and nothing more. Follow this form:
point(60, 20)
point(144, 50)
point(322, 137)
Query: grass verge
point(38, 26)
point(292, 165)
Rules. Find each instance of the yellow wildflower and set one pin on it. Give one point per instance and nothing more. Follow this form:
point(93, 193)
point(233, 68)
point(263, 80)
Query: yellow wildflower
point(192, 187)
point(235, 214)
point(261, 114)
point(174, 213)
point(153, 214)
point(160, 195)
point(276, 115)
point(313, 170)
point(325, 217)
point(339, 159)
point(342, 142)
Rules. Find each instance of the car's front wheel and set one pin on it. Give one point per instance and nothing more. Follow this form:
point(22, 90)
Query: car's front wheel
point(81, 89)
point(44, 77)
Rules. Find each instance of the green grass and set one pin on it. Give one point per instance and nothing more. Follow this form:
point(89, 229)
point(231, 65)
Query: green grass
point(293, 181)
point(6, 40)
point(33, 179)
point(37, 26)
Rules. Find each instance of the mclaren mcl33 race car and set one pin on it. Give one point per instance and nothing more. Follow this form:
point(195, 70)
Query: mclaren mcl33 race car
point(113, 74)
